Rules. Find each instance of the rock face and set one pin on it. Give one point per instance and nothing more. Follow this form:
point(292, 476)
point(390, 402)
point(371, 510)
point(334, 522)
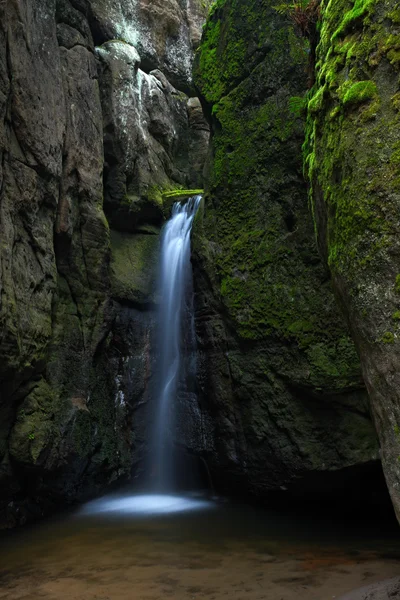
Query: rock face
point(352, 161)
point(99, 121)
point(280, 376)
point(89, 140)
point(164, 32)
point(149, 135)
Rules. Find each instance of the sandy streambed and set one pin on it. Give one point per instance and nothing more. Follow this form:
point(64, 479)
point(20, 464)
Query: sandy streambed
point(215, 552)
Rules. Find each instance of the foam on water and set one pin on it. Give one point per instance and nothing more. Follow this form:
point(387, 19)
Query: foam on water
point(145, 504)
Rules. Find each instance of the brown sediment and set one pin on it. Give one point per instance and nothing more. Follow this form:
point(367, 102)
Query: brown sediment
point(153, 563)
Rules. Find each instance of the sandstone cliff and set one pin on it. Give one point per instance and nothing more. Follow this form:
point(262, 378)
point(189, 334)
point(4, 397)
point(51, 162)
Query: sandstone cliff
point(280, 375)
point(99, 122)
point(352, 161)
point(95, 125)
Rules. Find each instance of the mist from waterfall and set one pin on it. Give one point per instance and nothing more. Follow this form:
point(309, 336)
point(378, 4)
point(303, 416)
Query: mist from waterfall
point(175, 335)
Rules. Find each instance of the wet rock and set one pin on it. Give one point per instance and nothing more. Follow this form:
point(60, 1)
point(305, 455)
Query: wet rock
point(88, 138)
point(352, 163)
point(280, 376)
point(165, 33)
point(149, 138)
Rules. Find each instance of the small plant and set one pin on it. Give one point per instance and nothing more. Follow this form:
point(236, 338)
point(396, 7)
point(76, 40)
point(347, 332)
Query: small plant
point(298, 105)
point(31, 436)
point(303, 13)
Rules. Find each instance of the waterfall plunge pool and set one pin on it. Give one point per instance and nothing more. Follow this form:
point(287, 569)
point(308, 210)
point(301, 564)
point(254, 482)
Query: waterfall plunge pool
point(135, 547)
point(145, 504)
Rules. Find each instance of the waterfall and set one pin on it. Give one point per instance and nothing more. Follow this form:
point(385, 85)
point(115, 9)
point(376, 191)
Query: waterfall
point(176, 334)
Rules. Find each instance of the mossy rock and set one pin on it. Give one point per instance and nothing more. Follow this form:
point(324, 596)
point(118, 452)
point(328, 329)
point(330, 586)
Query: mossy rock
point(38, 426)
point(351, 157)
point(169, 198)
point(134, 264)
point(271, 280)
point(280, 367)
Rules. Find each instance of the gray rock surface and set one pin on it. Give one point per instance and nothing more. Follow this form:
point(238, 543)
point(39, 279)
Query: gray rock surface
point(88, 138)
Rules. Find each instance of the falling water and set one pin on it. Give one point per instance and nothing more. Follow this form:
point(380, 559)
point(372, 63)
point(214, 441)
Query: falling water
point(175, 325)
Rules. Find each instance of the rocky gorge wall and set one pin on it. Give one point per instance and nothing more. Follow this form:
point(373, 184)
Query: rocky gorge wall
point(95, 125)
point(280, 376)
point(100, 129)
point(352, 162)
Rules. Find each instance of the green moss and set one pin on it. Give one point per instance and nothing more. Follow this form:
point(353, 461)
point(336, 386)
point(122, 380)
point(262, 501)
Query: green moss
point(134, 261)
point(360, 9)
point(395, 156)
point(397, 284)
point(315, 102)
point(361, 91)
point(394, 15)
point(155, 194)
point(388, 338)
point(298, 105)
point(349, 115)
point(223, 58)
point(178, 193)
point(257, 228)
point(38, 424)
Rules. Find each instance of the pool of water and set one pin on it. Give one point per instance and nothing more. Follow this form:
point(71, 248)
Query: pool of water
point(151, 547)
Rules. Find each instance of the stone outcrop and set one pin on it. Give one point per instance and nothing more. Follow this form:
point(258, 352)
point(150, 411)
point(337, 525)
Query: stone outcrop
point(385, 590)
point(164, 32)
point(280, 376)
point(89, 141)
point(352, 160)
point(150, 131)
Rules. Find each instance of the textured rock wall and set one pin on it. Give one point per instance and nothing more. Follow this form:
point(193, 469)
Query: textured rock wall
point(165, 32)
point(352, 160)
point(89, 139)
point(280, 377)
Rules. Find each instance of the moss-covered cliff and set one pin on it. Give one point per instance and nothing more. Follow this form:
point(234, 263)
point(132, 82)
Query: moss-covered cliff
point(280, 374)
point(352, 161)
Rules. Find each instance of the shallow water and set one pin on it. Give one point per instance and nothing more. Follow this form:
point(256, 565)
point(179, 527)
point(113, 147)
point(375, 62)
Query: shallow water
point(138, 547)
